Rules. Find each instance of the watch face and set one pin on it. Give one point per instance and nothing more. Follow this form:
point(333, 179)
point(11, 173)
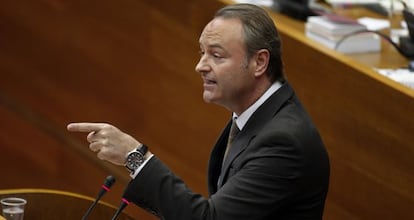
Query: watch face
point(134, 160)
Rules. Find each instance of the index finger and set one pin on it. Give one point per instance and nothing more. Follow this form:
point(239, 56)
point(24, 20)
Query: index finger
point(85, 126)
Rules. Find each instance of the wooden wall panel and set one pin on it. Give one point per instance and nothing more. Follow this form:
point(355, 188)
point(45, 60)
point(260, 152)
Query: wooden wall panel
point(130, 63)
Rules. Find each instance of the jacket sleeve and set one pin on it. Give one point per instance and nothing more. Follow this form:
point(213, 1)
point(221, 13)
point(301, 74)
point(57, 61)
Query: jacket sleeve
point(160, 192)
point(260, 184)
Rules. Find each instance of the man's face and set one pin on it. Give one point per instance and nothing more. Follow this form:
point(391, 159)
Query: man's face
point(226, 72)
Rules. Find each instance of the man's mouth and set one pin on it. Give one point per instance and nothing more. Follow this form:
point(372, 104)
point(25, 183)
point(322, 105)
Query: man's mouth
point(209, 82)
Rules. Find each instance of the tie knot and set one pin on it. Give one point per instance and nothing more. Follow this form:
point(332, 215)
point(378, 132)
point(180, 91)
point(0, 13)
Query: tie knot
point(234, 130)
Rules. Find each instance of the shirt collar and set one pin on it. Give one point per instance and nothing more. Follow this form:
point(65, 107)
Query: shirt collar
point(242, 119)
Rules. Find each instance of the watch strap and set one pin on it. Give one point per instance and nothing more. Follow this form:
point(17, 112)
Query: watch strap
point(143, 149)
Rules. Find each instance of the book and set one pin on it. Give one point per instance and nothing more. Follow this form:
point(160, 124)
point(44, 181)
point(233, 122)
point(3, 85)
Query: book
point(367, 42)
point(345, 37)
point(333, 36)
point(334, 28)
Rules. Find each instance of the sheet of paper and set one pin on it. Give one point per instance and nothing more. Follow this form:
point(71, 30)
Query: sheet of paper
point(395, 4)
point(374, 24)
point(403, 76)
point(267, 3)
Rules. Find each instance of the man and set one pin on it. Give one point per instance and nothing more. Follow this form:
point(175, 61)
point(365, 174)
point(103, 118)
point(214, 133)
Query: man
point(276, 166)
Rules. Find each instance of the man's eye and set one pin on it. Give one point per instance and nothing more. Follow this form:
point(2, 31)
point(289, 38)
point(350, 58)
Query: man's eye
point(216, 55)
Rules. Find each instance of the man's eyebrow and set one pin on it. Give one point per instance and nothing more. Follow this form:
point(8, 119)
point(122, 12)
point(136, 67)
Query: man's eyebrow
point(215, 46)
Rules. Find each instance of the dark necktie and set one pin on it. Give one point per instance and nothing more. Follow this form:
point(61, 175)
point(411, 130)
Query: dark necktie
point(234, 130)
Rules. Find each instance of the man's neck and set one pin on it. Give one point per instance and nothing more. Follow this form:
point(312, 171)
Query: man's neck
point(243, 117)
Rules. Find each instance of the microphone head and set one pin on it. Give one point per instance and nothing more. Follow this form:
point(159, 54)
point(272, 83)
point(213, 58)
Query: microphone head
point(109, 181)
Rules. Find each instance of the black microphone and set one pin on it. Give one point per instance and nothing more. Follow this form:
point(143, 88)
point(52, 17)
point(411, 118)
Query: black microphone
point(109, 181)
point(124, 201)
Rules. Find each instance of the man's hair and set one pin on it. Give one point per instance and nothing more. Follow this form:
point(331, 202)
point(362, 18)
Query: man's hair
point(259, 33)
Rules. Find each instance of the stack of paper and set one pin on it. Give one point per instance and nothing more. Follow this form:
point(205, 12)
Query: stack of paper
point(341, 35)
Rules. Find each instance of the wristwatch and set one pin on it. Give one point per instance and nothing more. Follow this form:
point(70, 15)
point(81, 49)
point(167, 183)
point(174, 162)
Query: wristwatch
point(136, 158)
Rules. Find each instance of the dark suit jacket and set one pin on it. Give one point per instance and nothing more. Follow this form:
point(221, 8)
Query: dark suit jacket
point(277, 168)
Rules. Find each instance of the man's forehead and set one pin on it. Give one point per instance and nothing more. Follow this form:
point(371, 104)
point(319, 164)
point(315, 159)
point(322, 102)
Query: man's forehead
point(221, 29)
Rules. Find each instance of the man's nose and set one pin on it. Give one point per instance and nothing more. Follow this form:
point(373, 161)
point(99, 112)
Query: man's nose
point(202, 65)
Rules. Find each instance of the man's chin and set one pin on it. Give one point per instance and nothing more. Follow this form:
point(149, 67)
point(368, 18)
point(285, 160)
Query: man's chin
point(206, 100)
point(208, 97)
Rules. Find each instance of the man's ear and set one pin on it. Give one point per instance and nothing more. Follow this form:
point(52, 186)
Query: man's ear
point(262, 61)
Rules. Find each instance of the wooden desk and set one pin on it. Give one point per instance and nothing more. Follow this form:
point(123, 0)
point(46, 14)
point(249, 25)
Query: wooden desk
point(53, 204)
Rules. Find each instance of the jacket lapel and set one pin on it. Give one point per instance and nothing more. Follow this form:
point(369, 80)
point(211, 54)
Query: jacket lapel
point(216, 159)
point(256, 122)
